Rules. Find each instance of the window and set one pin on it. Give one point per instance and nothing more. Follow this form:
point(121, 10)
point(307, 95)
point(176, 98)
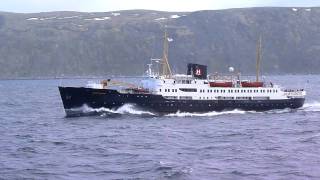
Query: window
point(160, 90)
point(165, 90)
point(188, 89)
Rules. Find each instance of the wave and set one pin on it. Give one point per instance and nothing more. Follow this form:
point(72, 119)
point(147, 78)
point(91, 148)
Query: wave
point(311, 107)
point(131, 109)
point(125, 109)
point(212, 113)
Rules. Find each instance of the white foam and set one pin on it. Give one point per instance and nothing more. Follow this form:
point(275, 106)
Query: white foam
point(308, 9)
point(86, 109)
point(125, 109)
point(131, 109)
point(175, 16)
point(279, 111)
point(213, 113)
point(311, 107)
point(294, 9)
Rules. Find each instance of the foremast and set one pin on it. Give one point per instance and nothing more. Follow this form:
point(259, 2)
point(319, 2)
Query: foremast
point(259, 55)
point(165, 66)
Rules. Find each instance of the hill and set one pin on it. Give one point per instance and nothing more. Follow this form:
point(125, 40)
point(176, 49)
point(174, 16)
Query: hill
point(121, 43)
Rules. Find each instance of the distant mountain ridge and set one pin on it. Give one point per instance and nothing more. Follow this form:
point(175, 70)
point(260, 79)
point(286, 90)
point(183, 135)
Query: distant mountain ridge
point(56, 44)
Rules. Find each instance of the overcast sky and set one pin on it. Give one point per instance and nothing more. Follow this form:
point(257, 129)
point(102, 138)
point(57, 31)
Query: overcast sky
point(163, 5)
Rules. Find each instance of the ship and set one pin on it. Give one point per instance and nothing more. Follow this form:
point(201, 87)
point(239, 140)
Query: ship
point(162, 92)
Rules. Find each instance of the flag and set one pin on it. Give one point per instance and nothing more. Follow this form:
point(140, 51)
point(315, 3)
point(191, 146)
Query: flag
point(170, 39)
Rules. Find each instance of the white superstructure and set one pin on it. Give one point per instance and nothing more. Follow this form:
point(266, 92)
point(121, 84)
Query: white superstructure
point(187, 87)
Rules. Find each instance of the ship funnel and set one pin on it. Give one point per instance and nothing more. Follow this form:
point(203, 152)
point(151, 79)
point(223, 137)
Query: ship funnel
point(197, 71)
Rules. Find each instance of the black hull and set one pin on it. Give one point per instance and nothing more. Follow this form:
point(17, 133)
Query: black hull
point(75, 97)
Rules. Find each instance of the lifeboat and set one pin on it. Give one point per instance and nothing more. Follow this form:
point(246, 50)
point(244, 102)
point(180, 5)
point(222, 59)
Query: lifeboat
point(251, 84)
point(220, 84)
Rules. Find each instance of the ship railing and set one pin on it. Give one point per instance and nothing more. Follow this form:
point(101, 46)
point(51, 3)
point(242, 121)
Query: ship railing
point(293, 90)
point(136, 91)
point(294, 93)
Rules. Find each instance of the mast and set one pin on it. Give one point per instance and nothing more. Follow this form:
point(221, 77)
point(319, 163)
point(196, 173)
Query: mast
point(258, 59)
point(165, 68)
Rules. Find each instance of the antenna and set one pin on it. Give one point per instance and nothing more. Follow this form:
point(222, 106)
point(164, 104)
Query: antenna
point(149, 69)
point(259, 54)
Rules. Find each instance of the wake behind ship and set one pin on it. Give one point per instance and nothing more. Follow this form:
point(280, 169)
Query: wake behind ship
point(162, 92)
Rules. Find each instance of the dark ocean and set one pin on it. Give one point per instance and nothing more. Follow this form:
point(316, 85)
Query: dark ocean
point(38, 142)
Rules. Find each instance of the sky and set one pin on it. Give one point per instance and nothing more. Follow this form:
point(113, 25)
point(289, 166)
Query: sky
point(27, 6)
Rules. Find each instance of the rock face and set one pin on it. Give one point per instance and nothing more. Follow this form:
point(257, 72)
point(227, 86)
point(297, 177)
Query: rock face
point(122, 43)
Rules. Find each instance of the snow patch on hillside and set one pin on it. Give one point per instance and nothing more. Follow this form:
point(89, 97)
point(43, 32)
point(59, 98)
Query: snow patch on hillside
point(98, 19)
point(41, 19)
point(159, 19)
point(33, 19)
point(47, 18)
point(68, 17)
point(115, 14)
point(175, 16)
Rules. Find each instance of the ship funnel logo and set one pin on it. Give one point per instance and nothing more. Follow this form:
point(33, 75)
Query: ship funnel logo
point(198, 72)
